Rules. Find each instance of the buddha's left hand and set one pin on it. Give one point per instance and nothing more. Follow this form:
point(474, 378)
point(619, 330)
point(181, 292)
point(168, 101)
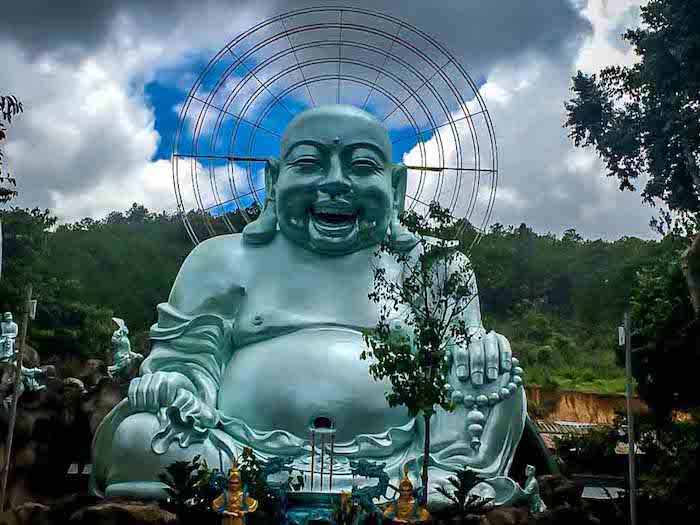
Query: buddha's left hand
point(487, 356)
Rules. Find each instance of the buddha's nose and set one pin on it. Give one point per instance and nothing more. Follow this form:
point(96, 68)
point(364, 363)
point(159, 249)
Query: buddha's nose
point(335, 182)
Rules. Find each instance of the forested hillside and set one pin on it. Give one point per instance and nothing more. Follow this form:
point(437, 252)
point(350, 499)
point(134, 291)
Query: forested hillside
point(558, 299)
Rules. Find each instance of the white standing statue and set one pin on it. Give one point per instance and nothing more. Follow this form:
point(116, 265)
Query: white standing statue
point(8, 336)
point(124, 358)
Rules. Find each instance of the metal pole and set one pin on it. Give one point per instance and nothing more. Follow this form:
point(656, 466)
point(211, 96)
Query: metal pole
point(0, 248)
point(313, 458)
point(323, 448)
point(15, 396)
point(330, 469)
point(630, 421)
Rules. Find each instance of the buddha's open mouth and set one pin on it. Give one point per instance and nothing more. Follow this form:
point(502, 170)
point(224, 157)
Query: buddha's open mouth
point(334, 218)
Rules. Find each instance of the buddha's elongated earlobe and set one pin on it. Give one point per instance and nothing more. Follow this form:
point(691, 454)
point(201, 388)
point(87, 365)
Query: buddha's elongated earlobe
point(263, 229)
point(400, 237)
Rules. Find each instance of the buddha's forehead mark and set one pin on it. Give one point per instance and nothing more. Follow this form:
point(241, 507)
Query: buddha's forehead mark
point(336, 125)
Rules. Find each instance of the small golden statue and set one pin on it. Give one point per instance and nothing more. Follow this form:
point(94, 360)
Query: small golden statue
point(406, 509)
point(234, 503)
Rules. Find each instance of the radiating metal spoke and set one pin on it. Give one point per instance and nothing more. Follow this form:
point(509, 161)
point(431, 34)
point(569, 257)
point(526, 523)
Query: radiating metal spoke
point(416, 199)
point(438, 127)
point(238, 117)
point(221, 157)
point(413, 92)
point(262, 159)
point(223, 203)
point(340, 54)
point(301, 69)
point(446, 168)
point(261, 82)
point(386, 57)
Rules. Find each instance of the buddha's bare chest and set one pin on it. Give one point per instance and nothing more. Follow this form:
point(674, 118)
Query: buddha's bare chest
point(295, 294)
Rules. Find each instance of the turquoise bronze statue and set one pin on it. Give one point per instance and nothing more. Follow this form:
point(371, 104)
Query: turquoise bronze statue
point(29, 382)
point(260, 338)
point(124, 359)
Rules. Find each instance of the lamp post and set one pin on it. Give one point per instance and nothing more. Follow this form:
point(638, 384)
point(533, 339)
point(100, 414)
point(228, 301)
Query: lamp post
point(625, 338)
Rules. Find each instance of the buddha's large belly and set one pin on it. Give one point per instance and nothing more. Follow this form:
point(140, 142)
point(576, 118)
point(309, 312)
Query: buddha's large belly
point(286, 382)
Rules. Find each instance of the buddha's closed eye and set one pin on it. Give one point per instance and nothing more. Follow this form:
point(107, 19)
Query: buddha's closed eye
point(365, 166)
point(306, 163)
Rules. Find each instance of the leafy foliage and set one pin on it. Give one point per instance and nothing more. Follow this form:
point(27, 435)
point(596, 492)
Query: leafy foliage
point(667, 333)
point(643, 119)
point(461, 501)
point(595, 451)
point(668, 469)
point(435, 288)
point(182, 482)
point(10, 106)
point(673, 470)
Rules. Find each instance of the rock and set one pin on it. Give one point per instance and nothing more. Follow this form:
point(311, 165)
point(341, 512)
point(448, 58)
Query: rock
point(74, 382)
point(27, 514)
point(507, 516)
point(101, 401)
point(49, 370)
point(30, 357)
point(93, 371)
point(556, 490)
point(566, 515)
point(123, 513)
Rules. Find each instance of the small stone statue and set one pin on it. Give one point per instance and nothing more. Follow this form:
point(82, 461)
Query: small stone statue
point(124, 358)
point(29, 381)
point(406, 509)
point(8, 335)
point(532, 490)
point(234, 503)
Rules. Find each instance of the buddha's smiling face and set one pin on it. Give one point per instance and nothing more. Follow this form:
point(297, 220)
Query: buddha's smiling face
point(334, 186)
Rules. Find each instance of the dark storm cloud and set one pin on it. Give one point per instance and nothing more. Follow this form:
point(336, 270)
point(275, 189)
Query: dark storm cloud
point(477, 32)
point(79, 26)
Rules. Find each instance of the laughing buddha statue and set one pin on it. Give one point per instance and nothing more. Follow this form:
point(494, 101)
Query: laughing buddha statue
point(262, 334)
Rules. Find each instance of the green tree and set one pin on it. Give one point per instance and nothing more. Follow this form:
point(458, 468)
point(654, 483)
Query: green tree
point(25, 237)
point(644, 120)
point(435, 290)
point(9, 107)
point(668, 332)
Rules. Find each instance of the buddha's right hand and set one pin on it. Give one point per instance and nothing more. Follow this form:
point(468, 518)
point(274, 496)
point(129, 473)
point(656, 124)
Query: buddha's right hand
point(151, 392)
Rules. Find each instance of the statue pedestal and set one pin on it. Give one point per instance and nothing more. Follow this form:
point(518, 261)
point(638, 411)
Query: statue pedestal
point(307, 507)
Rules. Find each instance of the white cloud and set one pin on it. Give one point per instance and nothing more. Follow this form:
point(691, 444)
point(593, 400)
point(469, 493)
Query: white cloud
point(151, 185)
point(605, 47)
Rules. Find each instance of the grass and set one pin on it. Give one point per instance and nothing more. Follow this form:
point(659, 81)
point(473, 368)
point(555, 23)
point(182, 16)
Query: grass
point(564, 354)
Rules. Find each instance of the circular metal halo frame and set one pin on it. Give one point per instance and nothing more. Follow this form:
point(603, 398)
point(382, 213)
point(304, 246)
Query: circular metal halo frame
point(435, 65)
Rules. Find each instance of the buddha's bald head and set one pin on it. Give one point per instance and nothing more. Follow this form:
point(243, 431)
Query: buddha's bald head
point(334, 189)
point(336, 124)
